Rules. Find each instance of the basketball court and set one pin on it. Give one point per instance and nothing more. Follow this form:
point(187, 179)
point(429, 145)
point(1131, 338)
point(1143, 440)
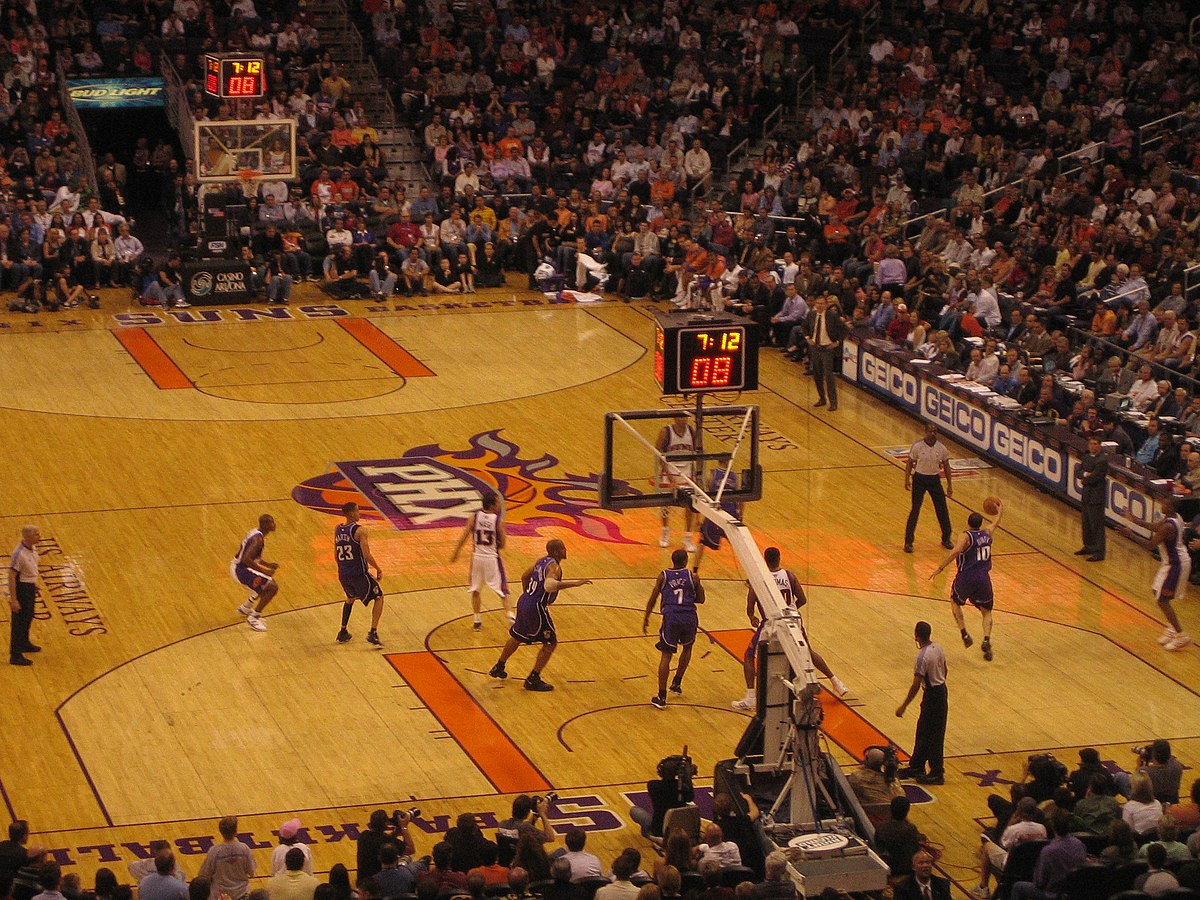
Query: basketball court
point(145, 444)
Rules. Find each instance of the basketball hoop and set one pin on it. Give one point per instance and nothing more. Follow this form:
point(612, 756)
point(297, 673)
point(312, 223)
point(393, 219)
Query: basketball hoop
point(247, 175)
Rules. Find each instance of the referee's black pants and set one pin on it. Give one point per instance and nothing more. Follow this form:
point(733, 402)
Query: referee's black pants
point(22, 619)
point(929, 745)
point(931, 485)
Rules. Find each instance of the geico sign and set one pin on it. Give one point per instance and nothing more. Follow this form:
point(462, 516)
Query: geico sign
point(1029, 453)
point(890, 379)
point(1129, 503)
point(968, 422)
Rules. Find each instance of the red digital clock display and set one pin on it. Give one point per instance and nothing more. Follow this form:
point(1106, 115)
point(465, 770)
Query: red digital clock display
point(237, 77)
point(712, 359)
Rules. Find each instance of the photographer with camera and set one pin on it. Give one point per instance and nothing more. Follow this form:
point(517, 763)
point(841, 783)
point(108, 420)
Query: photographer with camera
point(528, 815)
point(1043, 776)
point(672, 790)
point(383, 829)
point(1163, 769)
point(1080, 780)
point(874, 782)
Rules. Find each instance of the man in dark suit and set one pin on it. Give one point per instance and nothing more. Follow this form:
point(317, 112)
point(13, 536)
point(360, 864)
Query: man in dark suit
point(825, 329)
point(1015, 327)
point(1093, 474)
point(922, 884)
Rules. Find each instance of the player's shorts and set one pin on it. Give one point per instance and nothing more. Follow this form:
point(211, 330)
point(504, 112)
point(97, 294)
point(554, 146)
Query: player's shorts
point(711, 535)
point(1170, 583)
point(752, 648)
point(533, 624)
point(977, 591)
point(363, 587)
point(674, 477)
point(677, 630)
point(488, 570)
point(251, 578)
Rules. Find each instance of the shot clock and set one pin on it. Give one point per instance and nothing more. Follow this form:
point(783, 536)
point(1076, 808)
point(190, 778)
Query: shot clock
point(705, 354)
point(238, 76)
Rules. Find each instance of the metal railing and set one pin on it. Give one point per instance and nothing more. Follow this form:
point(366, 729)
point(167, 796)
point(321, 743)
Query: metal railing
point(739, 150)
point(868, 23)
point(806, 88)
point(367, 60)
point(771, 122)
point(176, 107)
point(1080, 335)
point(1088, 151)
point(1191, 282)
point(1153, 132)
point(838, 53)
point(87, 161)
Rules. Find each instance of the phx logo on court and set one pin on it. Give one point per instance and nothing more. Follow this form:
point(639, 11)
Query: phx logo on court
point(431, 487)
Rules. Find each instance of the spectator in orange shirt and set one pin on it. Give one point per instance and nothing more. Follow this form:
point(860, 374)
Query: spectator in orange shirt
point(510, 140)
point(1104, 322)
point(346, 188)
point(491, 871)
point(341, 135)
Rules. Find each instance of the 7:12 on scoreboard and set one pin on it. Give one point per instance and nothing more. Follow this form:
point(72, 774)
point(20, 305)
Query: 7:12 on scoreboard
point(713, 359)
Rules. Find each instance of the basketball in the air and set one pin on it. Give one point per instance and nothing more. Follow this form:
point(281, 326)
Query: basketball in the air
point(991, 505)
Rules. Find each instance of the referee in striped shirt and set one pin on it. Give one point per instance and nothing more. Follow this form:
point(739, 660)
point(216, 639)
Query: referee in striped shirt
point(928, 460)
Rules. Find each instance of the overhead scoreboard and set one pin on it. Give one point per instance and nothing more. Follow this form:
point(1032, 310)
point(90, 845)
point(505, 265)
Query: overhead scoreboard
point(701, 353)
point(236, 76)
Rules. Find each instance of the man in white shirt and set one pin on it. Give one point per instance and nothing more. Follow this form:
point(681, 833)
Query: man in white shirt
point(715, 847)
point(583, 864)
point(987, 305)
point(697, 164)
point(1144, 390)
point(993, 856)
point(621, 888)
point(339, 235)
point(881, 50)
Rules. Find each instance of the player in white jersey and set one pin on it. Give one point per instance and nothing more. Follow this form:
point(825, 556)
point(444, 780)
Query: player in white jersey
point(793, 595)
point(486, 531)
point(678, 437)
point(251, 570)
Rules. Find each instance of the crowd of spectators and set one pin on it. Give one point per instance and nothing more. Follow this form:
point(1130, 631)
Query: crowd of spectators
point(591, 126)
point(60, 237)
point(519, 863)
point(596, 143)
point(1066, 821)
point(1054, 824)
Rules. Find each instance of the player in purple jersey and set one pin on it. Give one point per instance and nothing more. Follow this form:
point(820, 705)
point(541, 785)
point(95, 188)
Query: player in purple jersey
point(251, 570)
point(540, 585)
point(680, 590)
point(352, 549)
point(973, 581)
point(1171, 581)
